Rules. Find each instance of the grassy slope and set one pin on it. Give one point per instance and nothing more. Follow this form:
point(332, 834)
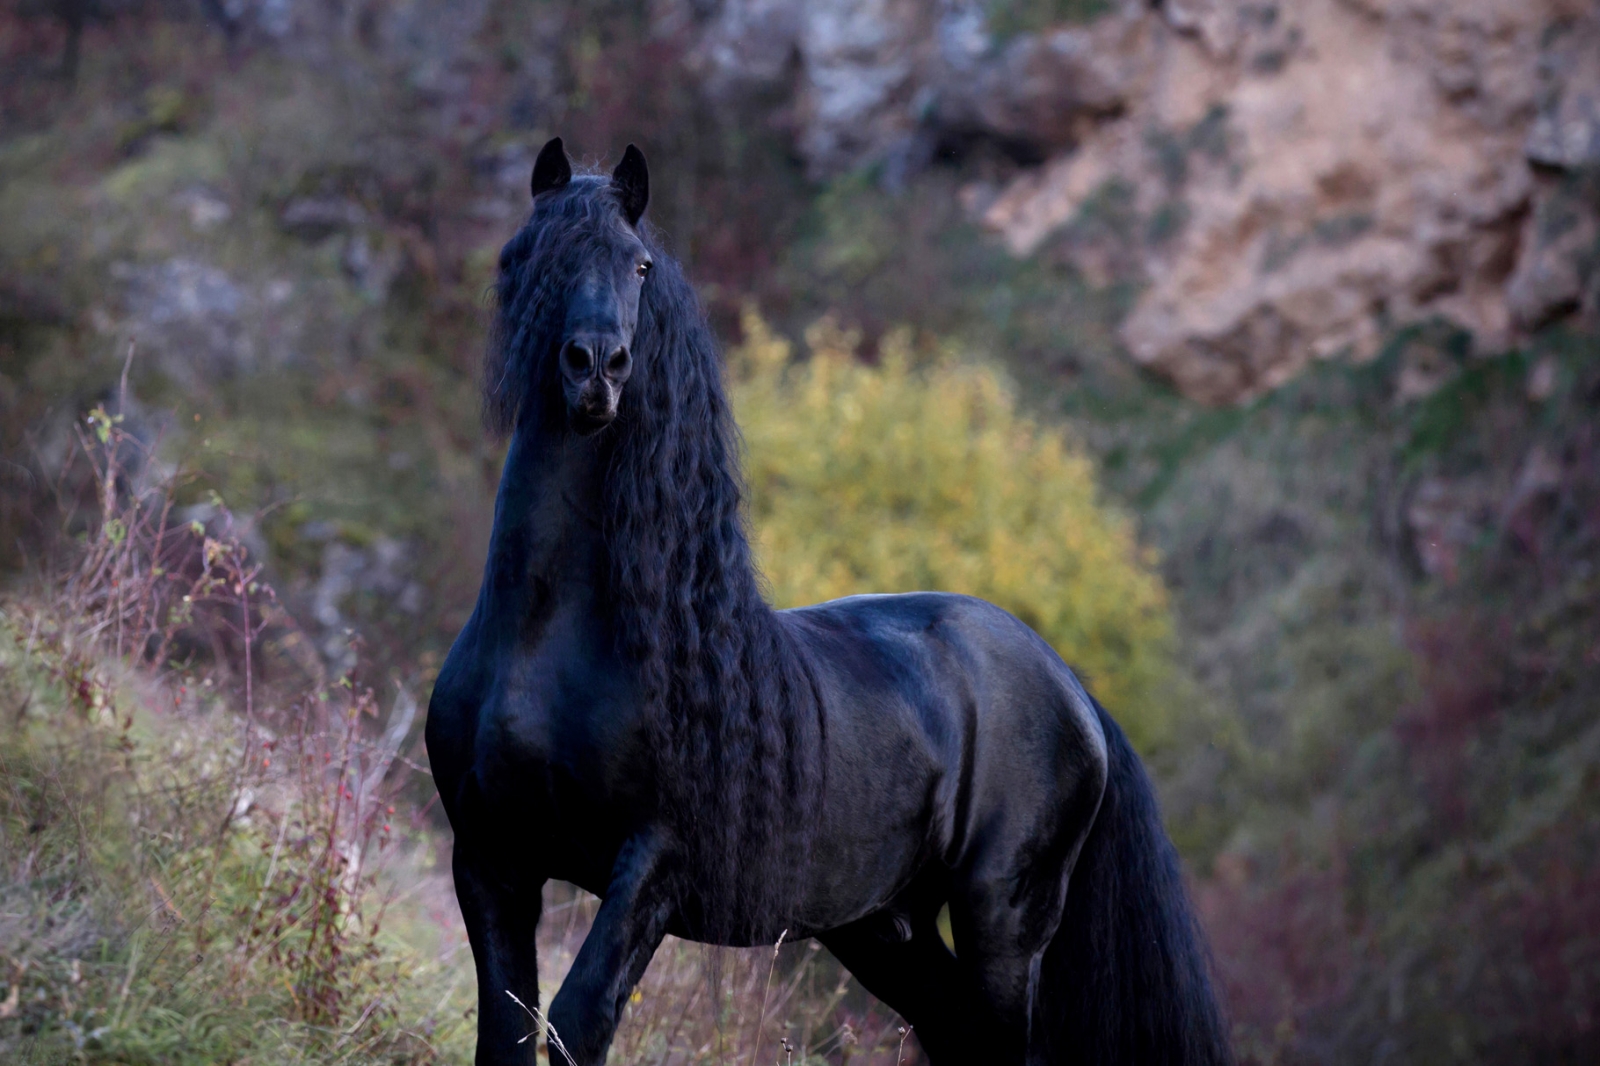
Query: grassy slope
point(146, 923)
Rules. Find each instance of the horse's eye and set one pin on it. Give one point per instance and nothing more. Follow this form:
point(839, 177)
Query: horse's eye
point(643, 268)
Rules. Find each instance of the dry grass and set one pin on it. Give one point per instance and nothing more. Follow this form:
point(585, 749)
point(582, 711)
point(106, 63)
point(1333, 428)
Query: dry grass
point(189, 840)
point(790, 1004)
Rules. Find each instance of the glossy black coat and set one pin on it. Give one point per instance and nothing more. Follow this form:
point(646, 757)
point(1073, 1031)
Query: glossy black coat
point(961, 763)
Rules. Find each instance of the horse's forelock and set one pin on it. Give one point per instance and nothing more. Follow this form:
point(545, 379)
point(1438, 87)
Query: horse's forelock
point(535, 266)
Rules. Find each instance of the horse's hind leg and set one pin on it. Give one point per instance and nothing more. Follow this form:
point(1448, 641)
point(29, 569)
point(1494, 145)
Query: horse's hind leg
point(904, 962)
point(1007, 903)
point(1000, 957)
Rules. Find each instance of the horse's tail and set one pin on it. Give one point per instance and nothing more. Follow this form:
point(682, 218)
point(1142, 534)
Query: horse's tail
point(1126, 981)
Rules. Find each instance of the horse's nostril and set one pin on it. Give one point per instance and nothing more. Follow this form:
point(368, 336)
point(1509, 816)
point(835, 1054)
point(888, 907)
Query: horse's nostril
point(618, 362)
point(577, 359)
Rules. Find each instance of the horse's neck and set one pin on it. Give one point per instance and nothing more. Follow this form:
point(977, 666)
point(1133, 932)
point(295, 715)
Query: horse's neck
point(547, 538)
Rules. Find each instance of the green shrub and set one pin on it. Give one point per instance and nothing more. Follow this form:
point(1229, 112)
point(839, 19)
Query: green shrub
point(894, 477)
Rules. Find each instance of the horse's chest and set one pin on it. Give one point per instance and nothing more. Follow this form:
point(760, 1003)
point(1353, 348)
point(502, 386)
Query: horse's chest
point(558, 750)
point(534, 721)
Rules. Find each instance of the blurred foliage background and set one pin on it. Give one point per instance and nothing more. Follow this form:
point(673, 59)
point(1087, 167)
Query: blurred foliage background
point(1351, 620)
point(894, 478)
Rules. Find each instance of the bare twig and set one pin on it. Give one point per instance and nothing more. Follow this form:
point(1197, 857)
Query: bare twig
point(550, 1031)
point(122, 394)
point(348, 1033)
point(761, 1016)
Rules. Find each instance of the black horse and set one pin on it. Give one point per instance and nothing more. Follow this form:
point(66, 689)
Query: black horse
point(624, 711)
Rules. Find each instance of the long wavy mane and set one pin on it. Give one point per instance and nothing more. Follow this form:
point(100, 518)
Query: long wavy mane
point(729, 699)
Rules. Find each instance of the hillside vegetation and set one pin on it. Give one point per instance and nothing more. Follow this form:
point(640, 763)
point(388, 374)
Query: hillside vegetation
point(1354, 621)
point(893, 478)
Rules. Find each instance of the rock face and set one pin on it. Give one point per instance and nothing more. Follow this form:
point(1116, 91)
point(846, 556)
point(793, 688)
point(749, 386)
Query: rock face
point(1308, 175)
point(879, 80)
point(1303, 176)
point(190, 314)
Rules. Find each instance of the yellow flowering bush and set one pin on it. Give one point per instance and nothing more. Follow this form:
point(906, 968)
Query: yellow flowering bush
point(895, 477)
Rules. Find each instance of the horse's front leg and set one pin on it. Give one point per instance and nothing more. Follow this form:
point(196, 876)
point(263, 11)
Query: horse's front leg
point(501, 912)
point(626, 932)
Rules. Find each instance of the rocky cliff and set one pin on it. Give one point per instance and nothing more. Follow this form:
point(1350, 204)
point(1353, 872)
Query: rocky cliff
point(1307, 176)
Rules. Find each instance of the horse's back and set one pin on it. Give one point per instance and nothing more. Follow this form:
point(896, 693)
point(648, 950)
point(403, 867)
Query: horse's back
point(929, 655)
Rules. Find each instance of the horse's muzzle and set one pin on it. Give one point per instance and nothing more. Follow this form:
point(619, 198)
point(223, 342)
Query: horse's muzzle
point(594, 385)
point(595, 407)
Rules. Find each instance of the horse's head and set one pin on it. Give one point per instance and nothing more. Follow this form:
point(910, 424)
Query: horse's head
point(571, 280)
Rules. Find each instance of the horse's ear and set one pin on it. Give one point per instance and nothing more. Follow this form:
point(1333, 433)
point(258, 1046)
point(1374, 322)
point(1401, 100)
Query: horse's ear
point(552, 169)
point(631, 179)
